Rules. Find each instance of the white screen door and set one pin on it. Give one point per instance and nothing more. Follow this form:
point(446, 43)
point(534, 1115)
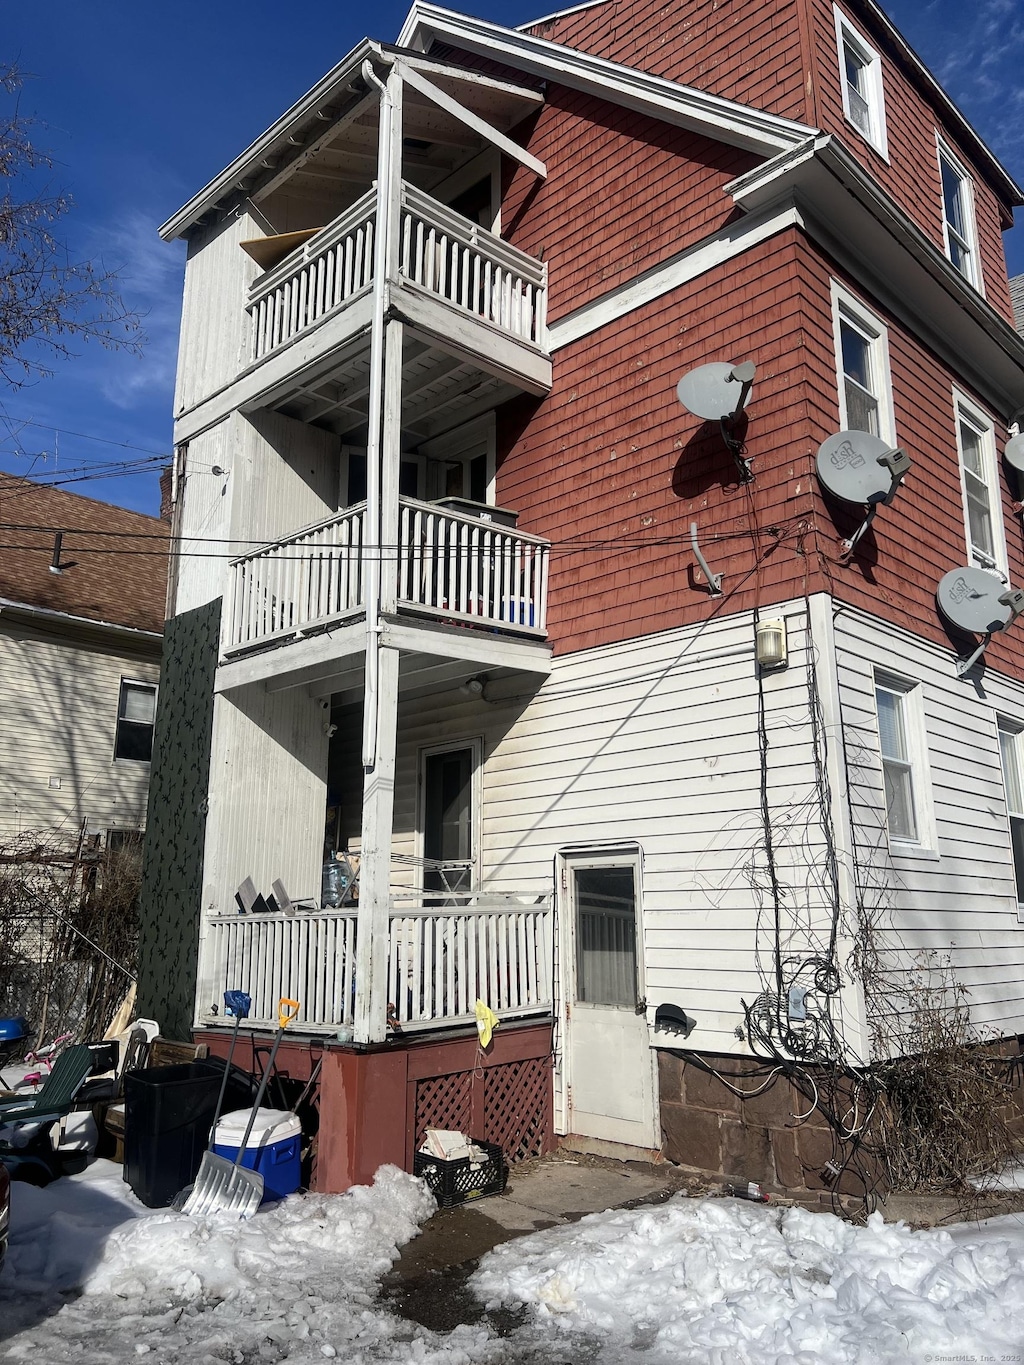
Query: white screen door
point(609, 1063)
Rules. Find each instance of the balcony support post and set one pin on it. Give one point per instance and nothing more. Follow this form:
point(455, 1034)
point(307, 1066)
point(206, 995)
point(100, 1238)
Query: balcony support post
point(380, 697)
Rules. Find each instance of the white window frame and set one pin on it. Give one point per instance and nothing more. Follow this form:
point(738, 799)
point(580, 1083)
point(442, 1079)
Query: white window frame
point(846, 307)
point(968, 242)
point(147, 687)
point(874, 93)
point(1014, 733)
point(967, 413)
point(911, 695)
point(476, 747)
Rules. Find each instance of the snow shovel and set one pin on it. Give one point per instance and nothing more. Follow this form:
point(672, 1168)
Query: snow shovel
point(224, 1186)
point(238, 1004)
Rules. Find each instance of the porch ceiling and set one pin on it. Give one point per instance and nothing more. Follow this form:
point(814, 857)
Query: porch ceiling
point(433, 658)
point(439, 391)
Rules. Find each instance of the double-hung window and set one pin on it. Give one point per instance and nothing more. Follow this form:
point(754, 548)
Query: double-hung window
point(1010, 739)
point(975, 439)
point(903, 767)
point(136, 713)
point(860, 74)
point(958, 224)
point(862, 366)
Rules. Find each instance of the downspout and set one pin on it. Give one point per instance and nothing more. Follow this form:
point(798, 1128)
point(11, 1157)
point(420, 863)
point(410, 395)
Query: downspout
point(373, 547)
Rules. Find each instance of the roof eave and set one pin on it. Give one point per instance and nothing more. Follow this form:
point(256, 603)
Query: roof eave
point(737, 124)
point(226, 182)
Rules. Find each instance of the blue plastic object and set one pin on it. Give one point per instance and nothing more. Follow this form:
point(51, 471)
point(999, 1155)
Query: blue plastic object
point(278, 1161)
point(237, 1004)
point(14, 1029)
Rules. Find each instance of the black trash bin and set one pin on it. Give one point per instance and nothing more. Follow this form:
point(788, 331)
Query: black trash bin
point(168, 1113)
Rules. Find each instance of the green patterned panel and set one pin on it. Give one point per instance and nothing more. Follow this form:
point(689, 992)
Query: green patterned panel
point(172, 877)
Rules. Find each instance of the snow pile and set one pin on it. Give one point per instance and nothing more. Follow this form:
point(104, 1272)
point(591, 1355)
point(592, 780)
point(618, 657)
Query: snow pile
point(738, 1284)
point(297, 1282)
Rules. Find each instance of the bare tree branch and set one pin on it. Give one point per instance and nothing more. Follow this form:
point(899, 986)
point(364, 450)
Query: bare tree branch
point(48, 301)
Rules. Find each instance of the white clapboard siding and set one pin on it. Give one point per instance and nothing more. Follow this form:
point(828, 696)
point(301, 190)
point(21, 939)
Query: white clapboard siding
point(214, 340)
point(58, 721)
point(281, 474)
point(957, 900)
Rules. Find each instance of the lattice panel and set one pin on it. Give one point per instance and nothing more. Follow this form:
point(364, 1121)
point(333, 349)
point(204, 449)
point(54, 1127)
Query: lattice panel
point(517, 1107)
point(444, 1102)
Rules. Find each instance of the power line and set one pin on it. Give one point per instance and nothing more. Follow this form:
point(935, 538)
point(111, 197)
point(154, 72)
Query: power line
point(83, 435)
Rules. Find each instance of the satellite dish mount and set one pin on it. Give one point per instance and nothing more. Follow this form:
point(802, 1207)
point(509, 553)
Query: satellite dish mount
point(855, 466)
point(718, 392)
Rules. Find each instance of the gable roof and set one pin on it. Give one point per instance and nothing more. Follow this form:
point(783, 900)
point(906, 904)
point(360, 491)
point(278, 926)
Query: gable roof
point(120, 558)
point(740, 125)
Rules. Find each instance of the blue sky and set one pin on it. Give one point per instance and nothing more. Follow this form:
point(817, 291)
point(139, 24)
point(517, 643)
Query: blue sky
point(143, 104)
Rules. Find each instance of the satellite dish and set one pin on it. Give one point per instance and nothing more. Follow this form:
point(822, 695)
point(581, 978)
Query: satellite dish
point(716, 391)
point(1014, 452)
point(851, 467)
point(971, 599)
point(856, 466)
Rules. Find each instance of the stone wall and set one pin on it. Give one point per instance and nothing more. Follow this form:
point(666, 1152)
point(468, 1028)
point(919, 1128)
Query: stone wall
point(777, 1136)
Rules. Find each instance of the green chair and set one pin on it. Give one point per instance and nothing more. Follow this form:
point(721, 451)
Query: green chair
point(57, 1096)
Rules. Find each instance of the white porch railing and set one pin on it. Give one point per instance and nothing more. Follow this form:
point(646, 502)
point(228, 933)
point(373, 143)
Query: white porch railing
point(295, 584)
point(451, 565)
point(326, 271)
point(441, 960)
point(440, 252)
point(457, 565)
point(470, 267)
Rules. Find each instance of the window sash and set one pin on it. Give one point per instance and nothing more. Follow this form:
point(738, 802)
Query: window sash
point(1013, 788)
point(980, 504)
point(136, 717)
point(857, 70)
point(897, 766)
point(859, 378)
point(956, 218)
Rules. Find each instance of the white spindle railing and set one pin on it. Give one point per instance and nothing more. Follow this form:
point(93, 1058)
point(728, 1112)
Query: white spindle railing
point(453, 564)
point(441, 960)
point(309, 957)
point(470, 267)
point(440, 251)
point(304, 581)
point(323, 273)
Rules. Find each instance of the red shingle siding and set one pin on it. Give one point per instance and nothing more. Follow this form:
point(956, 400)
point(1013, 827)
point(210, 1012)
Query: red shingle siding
point(744, 52)
point(911, 175)
point(120, 557)
point(612, 469)
point(624, 192)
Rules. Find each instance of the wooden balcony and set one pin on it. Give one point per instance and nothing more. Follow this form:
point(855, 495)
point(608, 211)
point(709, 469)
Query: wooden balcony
point(453, 567)
point(442, 958)
point(444, 259)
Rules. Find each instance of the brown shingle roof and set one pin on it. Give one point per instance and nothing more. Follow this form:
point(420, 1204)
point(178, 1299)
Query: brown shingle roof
point(104, 585)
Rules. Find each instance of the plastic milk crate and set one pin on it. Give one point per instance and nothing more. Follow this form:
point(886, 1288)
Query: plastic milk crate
point(453, 1182)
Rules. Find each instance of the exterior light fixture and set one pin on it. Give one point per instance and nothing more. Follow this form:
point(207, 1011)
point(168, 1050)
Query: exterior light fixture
point(771, 648)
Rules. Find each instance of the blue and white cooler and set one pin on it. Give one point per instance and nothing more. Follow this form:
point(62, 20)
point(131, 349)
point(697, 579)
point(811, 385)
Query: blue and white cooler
point(273, 1148)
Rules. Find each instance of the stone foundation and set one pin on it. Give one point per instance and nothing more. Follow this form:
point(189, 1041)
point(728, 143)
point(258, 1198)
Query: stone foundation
point(776, 1136)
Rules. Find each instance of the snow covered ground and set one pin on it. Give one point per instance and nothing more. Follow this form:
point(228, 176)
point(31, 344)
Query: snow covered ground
point(95, 1278)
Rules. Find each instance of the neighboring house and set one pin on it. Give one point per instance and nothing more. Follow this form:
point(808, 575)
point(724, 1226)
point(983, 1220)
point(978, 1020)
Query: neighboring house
point(80, 640)
point(659, 824)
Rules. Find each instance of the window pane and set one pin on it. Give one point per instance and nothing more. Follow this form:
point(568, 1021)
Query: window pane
point(891, 735)
point(861, 410)
point(856, 356)
point(138, 703)
point(606, 936)
point(1017, 844)
point(447, 822)
point(899, 800)
point(953, 199)
point(979, 522)
point(134, 741)
point(1008, 746)
point(970, 445)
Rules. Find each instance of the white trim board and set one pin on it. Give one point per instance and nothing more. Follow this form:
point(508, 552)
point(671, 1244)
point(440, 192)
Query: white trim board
point(724, 120)
point(559, 14)
point(697, 260)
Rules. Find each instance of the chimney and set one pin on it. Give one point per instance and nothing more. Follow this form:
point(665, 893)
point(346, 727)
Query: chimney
point(166, 485)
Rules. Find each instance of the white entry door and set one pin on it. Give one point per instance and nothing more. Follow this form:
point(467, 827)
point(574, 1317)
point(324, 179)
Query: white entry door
point(609, 1063)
